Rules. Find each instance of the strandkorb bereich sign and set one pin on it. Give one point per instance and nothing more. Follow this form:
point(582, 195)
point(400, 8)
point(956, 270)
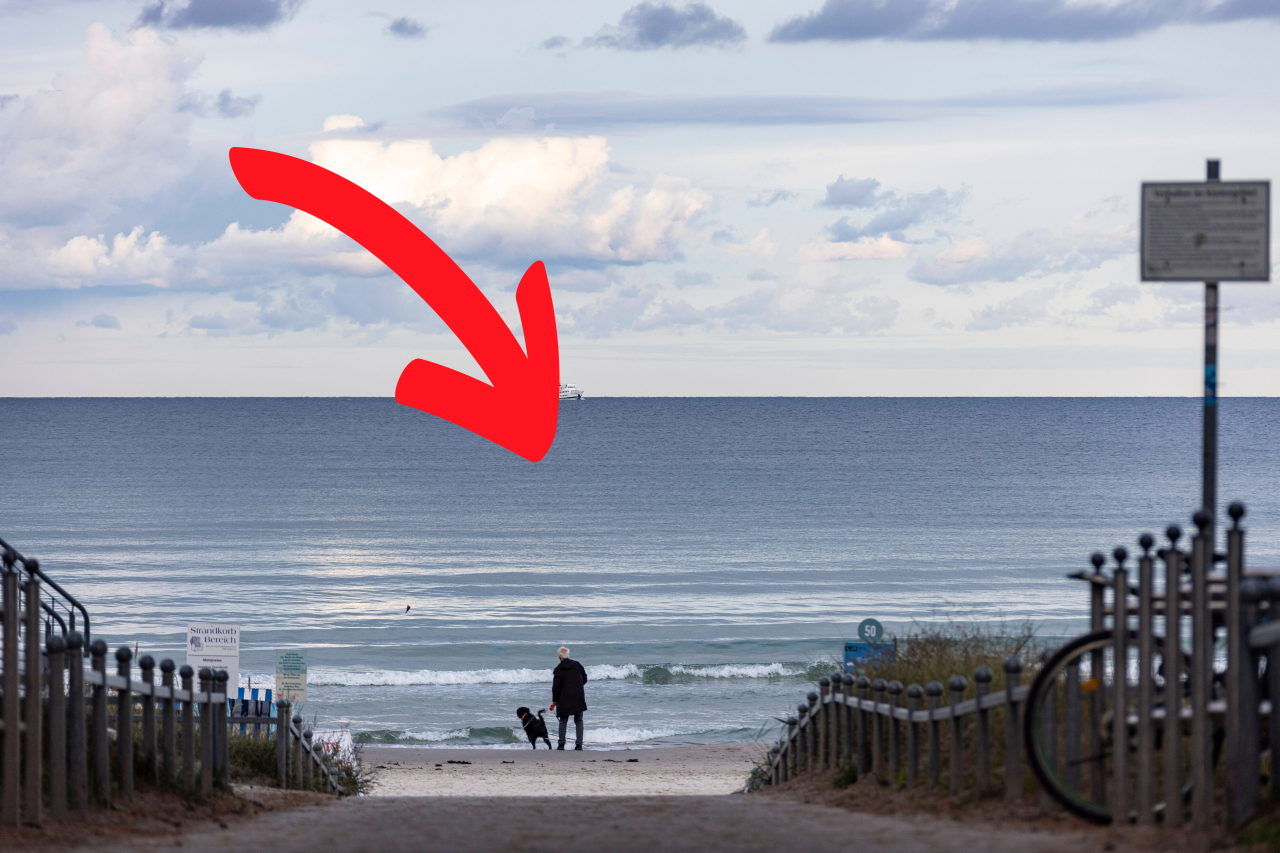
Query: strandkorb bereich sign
point(216, 646)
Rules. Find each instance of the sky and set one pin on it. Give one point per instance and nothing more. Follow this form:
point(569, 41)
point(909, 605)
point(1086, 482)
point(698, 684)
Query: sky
point(800, 197)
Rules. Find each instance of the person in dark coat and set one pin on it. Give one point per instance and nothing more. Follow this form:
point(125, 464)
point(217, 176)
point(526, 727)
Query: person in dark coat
point(568, 699)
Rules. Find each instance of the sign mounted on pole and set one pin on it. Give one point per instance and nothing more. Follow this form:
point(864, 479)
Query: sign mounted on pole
point(1206, 231)
point(291, 675)
point(217, 647)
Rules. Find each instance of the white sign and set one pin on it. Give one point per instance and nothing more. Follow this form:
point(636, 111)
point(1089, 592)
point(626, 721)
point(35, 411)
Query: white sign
point(215, 647)
point(1206, 231)
point(291, 675)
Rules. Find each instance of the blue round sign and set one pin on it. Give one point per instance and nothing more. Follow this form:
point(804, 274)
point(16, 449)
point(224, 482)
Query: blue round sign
point(870, 631)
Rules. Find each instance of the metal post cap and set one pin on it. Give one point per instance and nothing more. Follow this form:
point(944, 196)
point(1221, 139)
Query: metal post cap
point(983, 675)
point(1202, 520)
point(284, 703)
point(124, 654)
point(879, 685)
point(74, 640)
point(221, 675)
point(812, 697)
point(792, 721)
point(1146, 540)
point(933, 688)
point(863, 681)
point(957, 683)
point(186, 671)
point(297, 718)
point(1236, 511)
point(166, 665)
point(802, 709)
point(895, 687)
point(1012, 664)
point(55, 644)
point(824, 682)
point(1121, 555)
point(147, 662)
point(1174, 532)
point(205, 673)
point(914, 691)
point(98, 648)
point(847, 679)
point(1097, 559)
point(308, 734)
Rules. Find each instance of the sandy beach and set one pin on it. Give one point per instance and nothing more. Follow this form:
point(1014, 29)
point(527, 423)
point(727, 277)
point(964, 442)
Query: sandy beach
point(688, 770)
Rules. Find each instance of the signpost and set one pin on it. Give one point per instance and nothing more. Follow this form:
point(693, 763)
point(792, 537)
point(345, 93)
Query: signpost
point(1212, 231)
point(217, 647)
point(291, 675)
point(870, 651)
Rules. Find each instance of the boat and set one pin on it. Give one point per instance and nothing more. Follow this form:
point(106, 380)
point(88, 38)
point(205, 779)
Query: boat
point(569, 391)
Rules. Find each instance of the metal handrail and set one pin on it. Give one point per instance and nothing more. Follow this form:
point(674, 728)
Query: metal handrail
point(10, 556)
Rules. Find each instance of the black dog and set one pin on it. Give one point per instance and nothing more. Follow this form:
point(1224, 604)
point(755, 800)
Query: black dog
point(534, 727)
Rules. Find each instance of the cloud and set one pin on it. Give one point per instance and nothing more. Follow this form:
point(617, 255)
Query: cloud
point(761, 274)
point(407, 28)
point(610, 109)
point(898, 213)
point(556, 43)
point(7, 327)
point(100, 321)
point(649, 26)
point(342, 122)
point(725, 235)
point(851, 192)
point(863, 249)
point(1008, 20)
point(1103, 300)
point(769, 199)
point(230, 106)
point(1018, 310)
point(1034, 253)
point(219, 14)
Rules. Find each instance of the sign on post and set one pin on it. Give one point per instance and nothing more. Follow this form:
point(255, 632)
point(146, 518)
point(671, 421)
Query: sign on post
point(1206, 231)
point(217, 647)
point(291, 675)
point(869, 651)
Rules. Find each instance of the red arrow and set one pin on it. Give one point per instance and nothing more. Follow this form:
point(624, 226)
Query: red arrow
point(517, 411)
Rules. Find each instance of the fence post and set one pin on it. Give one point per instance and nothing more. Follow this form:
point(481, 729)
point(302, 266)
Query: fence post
point(799, 761)
point(878, 688)
point(168, 729)
point(822, 715)
point(78, 794)
point(1012, 731)
point(934, 691)
point(1146, 686)
point(124, 725)
point(1049, 726)
point(957, 684)
point(1097, 772)
point(1273, 681)
point(846, 722)
point(914, 694)
point(1172, 659)
point(1250, 741)
point(788, 762)
point(833, 721)
point(101, 749)
point(221, 732)
point(811, 739)
point(1201, 675)
point(35, 670)
point(299, 758)
point(56, 646)
point(10, 775)
point(864, 730)
point(147, 664)
point(895, 739)
point(188, 729)
point(282, 742)
point(1120, 689)
point(1242, 716)
point(982, 730)
point(207, 729)
point(308, 775)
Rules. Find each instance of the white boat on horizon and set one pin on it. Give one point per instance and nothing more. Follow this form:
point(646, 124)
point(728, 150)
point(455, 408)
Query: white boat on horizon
point(569, 391)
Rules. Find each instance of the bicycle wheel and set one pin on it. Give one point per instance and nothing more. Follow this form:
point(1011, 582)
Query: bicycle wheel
point(1070, 709)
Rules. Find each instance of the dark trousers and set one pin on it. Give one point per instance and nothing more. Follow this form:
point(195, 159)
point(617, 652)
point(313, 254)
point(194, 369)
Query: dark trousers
point(564, 726)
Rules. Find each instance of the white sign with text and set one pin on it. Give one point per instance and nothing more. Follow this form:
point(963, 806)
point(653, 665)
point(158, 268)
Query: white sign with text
point(216, 647)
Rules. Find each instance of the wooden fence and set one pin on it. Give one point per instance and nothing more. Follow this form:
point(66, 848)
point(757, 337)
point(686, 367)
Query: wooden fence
point(56, 733)
point(885, 731)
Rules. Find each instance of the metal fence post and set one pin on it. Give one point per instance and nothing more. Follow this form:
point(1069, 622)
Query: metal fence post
point(864, 730)
point(1201, 675)
point(308, 774)
point(846, 722)
point(914, 694)
point(101, 749)
point(221, 733)
point(168, 727)
point(33, 798)
point(299, 759)
point(1242, 717)
point(811, 738)
point(833, 720)
point(822, 715)
point(1273, 681)
point(1012, 731)
point(207, 728)
point(1146, 685)
point(77, 740)
point(124, 725)
point(56, 646)
point(1049, 726)
point(1120, 688)
point(789, 758)
point(282, 742)
point(188, 729)
point(878, 688)
point(934, 761)
point(147, 664)
point(1248, 769)
point(11, 759)
point(957, 684)
point(982, 730)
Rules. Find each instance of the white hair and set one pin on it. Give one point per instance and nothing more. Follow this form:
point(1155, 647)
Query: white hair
point(563, 651)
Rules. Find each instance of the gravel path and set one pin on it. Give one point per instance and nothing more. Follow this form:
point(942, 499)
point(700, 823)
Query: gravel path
point(669, 824)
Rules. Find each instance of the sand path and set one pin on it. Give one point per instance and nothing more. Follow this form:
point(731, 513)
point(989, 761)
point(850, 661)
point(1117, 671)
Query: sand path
point(717, 769)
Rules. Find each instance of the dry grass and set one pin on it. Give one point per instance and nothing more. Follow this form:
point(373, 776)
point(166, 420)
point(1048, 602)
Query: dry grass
point(935, 651)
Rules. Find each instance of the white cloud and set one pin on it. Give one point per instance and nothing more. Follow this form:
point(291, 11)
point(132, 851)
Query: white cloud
point(342, 122)
point(864, 249)
point(88, 260)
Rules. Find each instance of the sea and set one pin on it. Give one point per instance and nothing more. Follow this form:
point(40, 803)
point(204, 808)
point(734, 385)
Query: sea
point(704, 558)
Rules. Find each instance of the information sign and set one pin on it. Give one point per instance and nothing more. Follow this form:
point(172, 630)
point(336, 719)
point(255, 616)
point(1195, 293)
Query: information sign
point(1206, 231)
point(215, 647)
point(291, 675)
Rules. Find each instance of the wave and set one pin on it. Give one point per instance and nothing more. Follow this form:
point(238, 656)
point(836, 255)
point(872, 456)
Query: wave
point(739, 670)
point(649, 673)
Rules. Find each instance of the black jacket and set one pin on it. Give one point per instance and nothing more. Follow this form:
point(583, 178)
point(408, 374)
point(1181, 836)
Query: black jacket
point(566, 688)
